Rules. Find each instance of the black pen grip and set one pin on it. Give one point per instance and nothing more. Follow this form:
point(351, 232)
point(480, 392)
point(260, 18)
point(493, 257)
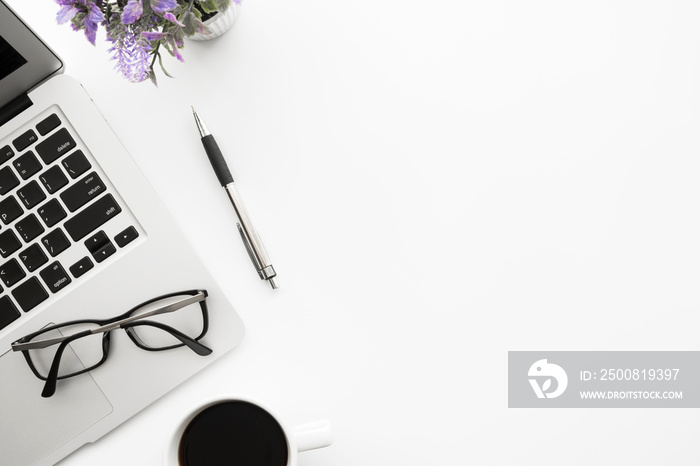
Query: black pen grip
point(217, 160)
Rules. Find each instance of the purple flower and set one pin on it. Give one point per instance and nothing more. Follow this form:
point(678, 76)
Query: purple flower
point(154, 35)
point(132, 11)
point(175, 50)
point(89, 16)
point(161, 6)
point(66, 13)
point(171, 17)
point(131, 52)
point(74, 11)
point(139, 31)
point(92, 20)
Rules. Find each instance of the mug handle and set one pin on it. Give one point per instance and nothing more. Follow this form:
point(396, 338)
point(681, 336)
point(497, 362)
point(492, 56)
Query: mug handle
point(313, 435)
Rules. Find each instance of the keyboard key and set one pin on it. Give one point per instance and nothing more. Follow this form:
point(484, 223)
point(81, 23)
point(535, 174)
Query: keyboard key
point(25, 140)
point(55, 242)
point(33, 257)
point(96, 241)
point(80, 267)
point(8, 180)
point(104, 252)
point(8, 312)
point(92, 217)
point(126, 237)
point(76, 164)
point(83, 191)
point(48, 124)
point(29, 228)
point(29, 294)
point(55, 277)
point(27, 165)
point(51, 212)
point(9, 243)
point(53, 179)
point(10, 210)
point(11, 272)
point(56, 145)
point(6, 153)
point(31, 194)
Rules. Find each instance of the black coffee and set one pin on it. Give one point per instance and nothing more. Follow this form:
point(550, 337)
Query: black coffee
point(233, 433)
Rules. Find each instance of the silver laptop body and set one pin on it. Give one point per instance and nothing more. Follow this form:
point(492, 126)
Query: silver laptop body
point(39, 104)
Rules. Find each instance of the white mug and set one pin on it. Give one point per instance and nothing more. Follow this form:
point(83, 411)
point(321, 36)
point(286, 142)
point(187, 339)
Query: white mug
point(299, 438)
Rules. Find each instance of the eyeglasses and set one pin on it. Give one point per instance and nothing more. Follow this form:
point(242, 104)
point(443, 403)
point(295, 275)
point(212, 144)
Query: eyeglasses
point(165, 329)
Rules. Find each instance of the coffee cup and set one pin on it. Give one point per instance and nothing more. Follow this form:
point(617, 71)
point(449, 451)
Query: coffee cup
point(232, 429)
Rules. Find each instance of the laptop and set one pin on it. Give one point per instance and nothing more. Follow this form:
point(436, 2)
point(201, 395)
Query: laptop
point(82, 236)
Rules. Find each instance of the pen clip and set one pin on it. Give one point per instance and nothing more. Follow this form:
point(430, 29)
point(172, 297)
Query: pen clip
point(249, 248)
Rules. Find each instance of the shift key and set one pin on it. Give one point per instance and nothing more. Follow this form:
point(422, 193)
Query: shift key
point(83, 191)
point(93, 216)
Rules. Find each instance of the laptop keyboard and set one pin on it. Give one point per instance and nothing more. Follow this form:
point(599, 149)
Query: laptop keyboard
point(55, 210)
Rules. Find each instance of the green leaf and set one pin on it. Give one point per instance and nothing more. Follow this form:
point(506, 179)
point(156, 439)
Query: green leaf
point(152, 75)
point(190, 21)
point(160, 62)
point(166, 46)
point(78, 21)
point(209, 6)
point(179, 34)
point(223, 4)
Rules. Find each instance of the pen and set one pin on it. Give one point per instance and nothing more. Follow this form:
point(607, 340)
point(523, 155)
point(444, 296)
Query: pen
point(251, 240)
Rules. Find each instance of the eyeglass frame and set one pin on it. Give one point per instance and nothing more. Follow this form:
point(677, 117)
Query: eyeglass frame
point(124, 321)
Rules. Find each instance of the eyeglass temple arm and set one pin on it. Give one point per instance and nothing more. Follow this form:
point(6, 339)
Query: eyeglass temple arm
point(200, 296)
point(172, 307)
point(52, 377)
point(16, 346)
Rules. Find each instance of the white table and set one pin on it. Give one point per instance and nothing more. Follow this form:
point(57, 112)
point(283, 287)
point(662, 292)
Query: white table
point(437, 183)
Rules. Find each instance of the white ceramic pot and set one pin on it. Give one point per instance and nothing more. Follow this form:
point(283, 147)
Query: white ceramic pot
point(219, 23)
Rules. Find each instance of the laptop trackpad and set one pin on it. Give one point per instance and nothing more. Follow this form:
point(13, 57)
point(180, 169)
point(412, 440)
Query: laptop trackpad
point(46, 423)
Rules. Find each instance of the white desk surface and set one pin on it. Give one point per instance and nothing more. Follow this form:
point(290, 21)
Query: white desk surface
point(437, 183)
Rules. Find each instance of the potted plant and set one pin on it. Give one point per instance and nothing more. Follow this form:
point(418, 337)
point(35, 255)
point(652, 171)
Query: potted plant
point(140, 30)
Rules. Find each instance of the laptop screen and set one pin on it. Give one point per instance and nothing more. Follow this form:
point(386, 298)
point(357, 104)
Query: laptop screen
point(25, 60)
point(10, 59)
